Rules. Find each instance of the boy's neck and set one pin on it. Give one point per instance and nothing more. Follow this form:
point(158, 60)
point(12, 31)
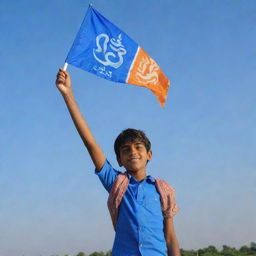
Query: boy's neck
point(138, 175)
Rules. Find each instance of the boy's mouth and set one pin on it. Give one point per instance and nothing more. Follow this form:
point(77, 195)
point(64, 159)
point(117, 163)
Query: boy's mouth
point(134, 159)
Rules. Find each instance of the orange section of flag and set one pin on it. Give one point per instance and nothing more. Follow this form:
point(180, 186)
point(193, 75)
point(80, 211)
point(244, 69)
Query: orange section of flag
point(146, 72)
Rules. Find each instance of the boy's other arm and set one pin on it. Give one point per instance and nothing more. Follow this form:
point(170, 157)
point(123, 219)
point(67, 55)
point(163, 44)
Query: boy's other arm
point(63, 83)
point(170, 237)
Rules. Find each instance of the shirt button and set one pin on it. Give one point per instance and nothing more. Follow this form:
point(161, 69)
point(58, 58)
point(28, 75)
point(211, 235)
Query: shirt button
point(140, 245)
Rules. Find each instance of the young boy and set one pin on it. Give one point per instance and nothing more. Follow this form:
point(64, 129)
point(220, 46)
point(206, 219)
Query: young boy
point(141, 207)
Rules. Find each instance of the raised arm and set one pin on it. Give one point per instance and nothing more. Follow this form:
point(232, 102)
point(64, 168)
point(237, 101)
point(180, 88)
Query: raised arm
point(63, 83)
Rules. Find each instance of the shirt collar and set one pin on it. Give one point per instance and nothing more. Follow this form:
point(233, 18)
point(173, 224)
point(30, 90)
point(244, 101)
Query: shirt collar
point(148, 178)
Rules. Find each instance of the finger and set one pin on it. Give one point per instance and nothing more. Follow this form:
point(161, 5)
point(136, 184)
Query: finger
point(60, 80)
point(61, 75)
point(64, 71)
point(61, 72)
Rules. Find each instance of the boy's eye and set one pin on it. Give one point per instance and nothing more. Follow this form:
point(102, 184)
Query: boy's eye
point(125, 150)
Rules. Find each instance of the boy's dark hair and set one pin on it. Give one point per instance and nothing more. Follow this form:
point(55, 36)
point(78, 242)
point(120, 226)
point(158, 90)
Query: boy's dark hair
point(131, 135)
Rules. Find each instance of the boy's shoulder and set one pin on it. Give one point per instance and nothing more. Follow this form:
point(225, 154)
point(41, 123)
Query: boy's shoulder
point(163, 185)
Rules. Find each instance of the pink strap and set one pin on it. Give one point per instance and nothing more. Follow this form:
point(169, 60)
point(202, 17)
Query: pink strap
point(167, 194)
point(116, 194)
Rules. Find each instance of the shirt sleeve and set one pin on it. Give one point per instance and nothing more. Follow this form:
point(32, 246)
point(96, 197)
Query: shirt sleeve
point(107, 175)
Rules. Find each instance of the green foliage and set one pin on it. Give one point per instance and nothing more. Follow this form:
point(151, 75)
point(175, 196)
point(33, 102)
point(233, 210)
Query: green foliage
point(211, 250)
point(81, 254)
point(97, 254)
point(253, 247)
point(245, 250)
point(188, 253)
point(108, 253)
point(226, 251)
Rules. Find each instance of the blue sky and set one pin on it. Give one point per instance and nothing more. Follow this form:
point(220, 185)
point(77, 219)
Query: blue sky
point(204, 140)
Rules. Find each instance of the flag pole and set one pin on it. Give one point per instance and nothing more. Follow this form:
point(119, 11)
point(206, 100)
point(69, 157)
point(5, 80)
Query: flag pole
point(65, 66)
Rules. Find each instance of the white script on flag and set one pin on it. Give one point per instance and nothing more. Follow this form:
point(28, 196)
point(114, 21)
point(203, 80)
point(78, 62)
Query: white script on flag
point(147, 71)
point(103, 71)
point(103, 53)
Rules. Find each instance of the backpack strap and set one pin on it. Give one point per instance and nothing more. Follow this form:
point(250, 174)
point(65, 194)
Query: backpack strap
point(116, 194)
point(167, 195)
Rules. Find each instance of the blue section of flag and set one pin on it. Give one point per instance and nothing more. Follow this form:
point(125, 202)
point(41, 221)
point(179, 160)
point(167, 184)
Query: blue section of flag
point(102, 48)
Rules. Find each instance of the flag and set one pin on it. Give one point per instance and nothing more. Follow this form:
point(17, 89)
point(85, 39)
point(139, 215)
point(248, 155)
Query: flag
point(103, 49)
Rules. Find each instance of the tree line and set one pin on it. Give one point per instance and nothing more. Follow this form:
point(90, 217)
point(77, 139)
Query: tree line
point(211, 250)
point(225, 251)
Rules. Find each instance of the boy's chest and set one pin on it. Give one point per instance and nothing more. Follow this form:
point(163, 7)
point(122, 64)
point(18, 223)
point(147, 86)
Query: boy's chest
point(143, 197)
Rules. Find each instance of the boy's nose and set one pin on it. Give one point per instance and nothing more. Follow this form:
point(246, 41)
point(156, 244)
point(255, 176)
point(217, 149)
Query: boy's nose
point(133, 151)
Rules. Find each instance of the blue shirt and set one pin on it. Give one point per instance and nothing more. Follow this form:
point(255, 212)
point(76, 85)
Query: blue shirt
point(139, 230)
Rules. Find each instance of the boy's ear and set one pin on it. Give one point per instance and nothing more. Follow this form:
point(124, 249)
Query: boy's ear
point(119, 161)
point(150, 155)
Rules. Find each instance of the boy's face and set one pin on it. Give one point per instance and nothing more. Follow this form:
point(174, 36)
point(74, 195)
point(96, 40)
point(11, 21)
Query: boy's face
point(134, 156)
